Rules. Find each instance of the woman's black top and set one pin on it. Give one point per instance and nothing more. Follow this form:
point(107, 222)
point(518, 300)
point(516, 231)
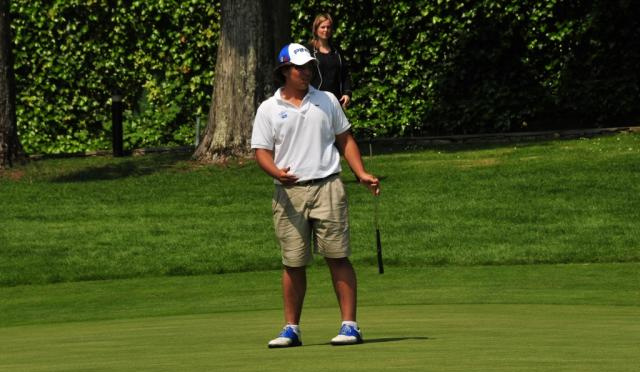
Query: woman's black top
point(333, 73)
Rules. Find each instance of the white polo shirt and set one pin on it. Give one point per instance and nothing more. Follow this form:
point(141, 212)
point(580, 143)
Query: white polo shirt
point(301, 137)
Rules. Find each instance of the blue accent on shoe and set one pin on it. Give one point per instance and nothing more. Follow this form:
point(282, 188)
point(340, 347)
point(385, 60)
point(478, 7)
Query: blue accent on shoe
point(288, 332)
point(348, 331)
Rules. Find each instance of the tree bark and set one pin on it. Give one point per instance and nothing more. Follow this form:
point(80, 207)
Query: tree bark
point(9, 144)
point(252, 32)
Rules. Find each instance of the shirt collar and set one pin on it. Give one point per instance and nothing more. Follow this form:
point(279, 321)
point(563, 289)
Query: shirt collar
point(310, 94)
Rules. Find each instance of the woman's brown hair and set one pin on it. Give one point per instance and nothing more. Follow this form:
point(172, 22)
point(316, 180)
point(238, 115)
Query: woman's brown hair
point(316, 23)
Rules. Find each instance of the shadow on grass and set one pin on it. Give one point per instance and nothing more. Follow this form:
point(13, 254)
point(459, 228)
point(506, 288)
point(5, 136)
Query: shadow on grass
point(393, 339)
point(122, 168)
point(408, 147)
point(463, 143)
point(379, 340)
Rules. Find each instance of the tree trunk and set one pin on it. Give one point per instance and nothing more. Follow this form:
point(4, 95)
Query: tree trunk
point(252, 33)
point(9, 145)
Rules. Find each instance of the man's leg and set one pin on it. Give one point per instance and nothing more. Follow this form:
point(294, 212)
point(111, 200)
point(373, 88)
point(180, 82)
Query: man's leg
point(294, 287)
point(344, 283)
point(345, 286)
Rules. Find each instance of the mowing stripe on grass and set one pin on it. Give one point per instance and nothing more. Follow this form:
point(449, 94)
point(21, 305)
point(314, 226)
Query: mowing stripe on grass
point(490, 337)
point(594, 284)
point(103, 218)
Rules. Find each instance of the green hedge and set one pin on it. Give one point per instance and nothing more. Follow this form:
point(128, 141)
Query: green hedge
point(71, 55)
point(439, 67)
point(420, 67)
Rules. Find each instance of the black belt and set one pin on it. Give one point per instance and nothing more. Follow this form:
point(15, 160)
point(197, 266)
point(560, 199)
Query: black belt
point(316, 180)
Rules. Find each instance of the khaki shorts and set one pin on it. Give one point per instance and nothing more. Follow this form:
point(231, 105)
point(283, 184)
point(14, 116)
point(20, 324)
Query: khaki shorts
point(318, 212)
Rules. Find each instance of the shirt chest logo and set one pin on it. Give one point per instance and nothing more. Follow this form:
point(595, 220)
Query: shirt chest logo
point(283, 114)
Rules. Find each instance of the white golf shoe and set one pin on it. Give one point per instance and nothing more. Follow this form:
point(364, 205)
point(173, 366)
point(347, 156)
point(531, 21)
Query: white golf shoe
point(287, 338)
point(348, 335)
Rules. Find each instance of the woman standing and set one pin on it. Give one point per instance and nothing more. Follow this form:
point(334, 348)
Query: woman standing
point(333, 71)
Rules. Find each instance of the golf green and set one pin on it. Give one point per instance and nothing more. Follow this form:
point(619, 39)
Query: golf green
point(460, 337)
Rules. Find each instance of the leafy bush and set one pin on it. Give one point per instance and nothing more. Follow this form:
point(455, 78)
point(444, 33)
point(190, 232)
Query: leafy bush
point(420, 67)
point(425, 67)
point(71, 55)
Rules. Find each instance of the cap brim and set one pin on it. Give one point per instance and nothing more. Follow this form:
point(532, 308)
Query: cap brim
point(304, 61)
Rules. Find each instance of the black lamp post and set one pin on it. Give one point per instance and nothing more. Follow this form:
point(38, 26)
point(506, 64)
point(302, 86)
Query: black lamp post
point(116, 123)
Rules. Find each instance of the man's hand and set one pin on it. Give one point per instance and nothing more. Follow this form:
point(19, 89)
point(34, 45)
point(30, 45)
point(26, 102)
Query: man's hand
point(285, 177)
point(264, 158)
point(349, 148)
point(371, 182)
point(345, 101)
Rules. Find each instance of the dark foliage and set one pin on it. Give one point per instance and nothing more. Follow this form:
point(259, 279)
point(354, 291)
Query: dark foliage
point(420, 67)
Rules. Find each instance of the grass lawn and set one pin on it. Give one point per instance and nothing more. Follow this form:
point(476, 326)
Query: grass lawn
point(406, 338)
point(491, 318)
point(498, 258)
point(162, 215)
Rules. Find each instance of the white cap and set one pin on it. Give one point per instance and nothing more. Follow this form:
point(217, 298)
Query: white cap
point(294, 53)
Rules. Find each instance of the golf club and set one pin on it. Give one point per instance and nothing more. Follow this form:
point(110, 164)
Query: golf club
point(378, 243)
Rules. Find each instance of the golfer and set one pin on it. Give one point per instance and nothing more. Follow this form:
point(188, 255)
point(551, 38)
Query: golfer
point(294, 133)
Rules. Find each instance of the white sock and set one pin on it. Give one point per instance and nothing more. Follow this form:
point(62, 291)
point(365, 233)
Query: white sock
point(296, 327)
point(350, 323)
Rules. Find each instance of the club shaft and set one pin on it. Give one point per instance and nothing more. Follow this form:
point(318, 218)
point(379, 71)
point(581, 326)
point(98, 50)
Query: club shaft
point(379, 251)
